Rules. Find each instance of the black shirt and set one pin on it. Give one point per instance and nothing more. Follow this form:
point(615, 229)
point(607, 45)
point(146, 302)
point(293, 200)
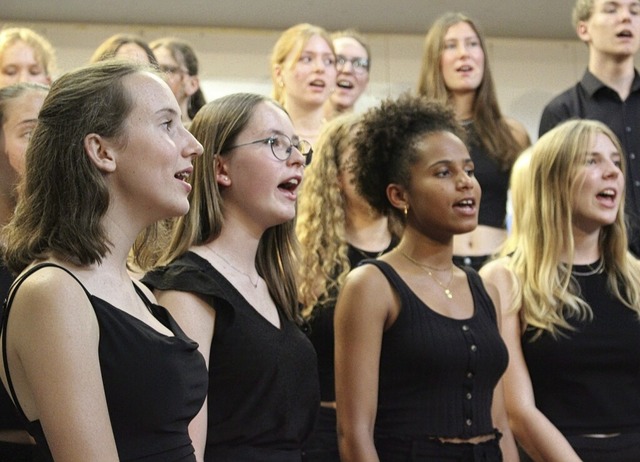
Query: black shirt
point(592, 99)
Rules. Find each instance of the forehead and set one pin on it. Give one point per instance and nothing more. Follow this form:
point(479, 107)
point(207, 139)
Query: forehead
point(164, 56)
point(441, 146)
point(460, 29)
point(318, 44)
point(268, 117)
point(25, 106)
point(18, 49)
point(350, 46)
point(133, 51)
point(149, 93)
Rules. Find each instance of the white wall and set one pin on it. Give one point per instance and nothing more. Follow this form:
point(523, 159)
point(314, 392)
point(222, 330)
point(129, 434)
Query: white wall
point(528, 73)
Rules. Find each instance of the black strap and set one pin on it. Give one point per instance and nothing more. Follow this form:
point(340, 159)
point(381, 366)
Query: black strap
point(5, 320)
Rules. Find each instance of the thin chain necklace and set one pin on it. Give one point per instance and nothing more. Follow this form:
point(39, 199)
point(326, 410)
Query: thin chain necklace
point(428, 269)
point(592, 269)
point(254, 284)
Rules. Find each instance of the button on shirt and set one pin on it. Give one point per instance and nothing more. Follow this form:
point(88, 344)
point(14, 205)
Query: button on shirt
point(592, 99)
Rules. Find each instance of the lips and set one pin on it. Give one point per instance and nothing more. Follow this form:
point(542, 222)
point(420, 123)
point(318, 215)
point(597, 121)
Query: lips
point(346, 84)
point(290, 185)
point(625, 34)
point(318, 83)
point(607, 196)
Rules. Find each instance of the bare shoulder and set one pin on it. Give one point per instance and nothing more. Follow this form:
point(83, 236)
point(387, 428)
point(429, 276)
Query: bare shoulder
point(500, 282)
point(52, 303)
point(519, 132)
point(366, 288)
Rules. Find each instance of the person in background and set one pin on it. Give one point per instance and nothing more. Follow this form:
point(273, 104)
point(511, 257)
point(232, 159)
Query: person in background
point(25, 56)
point(229, 279)
point(569, 293)
point(353, 63)
point(84, 348)
point(303, 71)
point(19, 107)
point(609, 90)
point(177, 59)
point(455, 70)
point(125, 46)
point(337, 229)
point(418, 352)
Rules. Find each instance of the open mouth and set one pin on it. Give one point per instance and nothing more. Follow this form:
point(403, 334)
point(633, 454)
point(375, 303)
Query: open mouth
point(467, 204)
point(465, 68)
point(290, 185)
point(625, 34)
point(184, 176)
point(318, 83)
point(608, 195)
point(344, 84)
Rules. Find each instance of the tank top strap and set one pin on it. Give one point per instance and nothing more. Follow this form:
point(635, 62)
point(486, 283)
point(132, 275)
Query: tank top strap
point(479, 292)
point(5, 319)
point(392, 276)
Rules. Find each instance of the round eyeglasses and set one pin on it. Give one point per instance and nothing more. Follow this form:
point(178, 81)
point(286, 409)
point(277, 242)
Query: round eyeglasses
point(359, 65)
point(282, 146)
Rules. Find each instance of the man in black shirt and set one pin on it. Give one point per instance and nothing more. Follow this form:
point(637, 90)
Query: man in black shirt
point(610, 88)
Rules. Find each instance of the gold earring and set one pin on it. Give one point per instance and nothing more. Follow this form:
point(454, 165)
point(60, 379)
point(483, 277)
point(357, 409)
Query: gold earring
point(406, 211)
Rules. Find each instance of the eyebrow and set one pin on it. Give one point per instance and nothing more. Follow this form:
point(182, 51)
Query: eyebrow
point(167, 110)
point(468, 160)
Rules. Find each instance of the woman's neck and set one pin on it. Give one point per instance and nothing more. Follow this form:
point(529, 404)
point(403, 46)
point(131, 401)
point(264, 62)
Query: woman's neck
point(306, 121)
point(462, 103)
point(367, 231)
point(437, 253)
point(586, 248)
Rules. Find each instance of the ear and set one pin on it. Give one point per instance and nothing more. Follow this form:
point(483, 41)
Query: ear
point(191, 85)
point(398, 196)
point(277, 75)
point(100, 152)
point(221, 169)
point(582, 29)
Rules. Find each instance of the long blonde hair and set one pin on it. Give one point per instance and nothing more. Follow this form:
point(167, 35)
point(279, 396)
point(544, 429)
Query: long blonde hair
point(321, 216)
point(493, 132)
point(546, 292)
point(217, 126)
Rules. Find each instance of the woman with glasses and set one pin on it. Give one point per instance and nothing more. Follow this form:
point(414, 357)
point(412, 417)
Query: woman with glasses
point(418, 352)
point(455, 71)
point(337, 229)
point(303, 70)
point(179, 63)
point(230, 281)
point(353, 61)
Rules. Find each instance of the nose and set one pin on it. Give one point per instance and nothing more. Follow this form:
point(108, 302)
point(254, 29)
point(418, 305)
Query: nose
point(193, 148)
point(464, 181)
point(296, 157)
point(611, 170)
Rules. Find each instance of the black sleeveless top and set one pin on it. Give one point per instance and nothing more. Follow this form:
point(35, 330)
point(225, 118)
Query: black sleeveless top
point(587, 381)
point(154, 384)
point(493, 180)
point(263, 381)
point(438, 374)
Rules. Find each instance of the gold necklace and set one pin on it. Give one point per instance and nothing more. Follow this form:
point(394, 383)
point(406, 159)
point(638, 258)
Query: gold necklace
point(428, 269)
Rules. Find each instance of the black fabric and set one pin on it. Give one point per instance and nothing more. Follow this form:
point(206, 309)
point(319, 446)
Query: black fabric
point(430, 450)
point(475, 261)
point(592, 99)
point(263, 387)
point(154, 384)
point(438, 374)
point(493, 180)
point(588, 381)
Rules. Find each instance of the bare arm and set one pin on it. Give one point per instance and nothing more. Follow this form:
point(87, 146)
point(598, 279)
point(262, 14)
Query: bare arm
point(197, 319)
point(362, 311)
point(535, 433)
point(53, 337)
point(498, 409)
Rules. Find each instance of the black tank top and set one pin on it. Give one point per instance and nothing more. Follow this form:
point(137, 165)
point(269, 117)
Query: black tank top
point(154, 384)
point(438, 374)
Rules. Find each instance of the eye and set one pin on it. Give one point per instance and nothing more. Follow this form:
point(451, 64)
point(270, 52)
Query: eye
point(443, 173)
point(329, 61)
point(168, 124)
point(305, 59)
point(471, 172)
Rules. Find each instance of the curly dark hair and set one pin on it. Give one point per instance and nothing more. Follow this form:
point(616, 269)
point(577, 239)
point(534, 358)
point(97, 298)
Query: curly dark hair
point(385, 143)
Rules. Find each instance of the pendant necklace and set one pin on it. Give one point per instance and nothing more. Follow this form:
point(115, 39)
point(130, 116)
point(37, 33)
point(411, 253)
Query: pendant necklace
point(230, 265)
point(428, 269)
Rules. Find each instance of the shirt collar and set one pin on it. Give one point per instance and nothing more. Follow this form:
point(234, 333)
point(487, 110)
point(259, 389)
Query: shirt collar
point(592, 84)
